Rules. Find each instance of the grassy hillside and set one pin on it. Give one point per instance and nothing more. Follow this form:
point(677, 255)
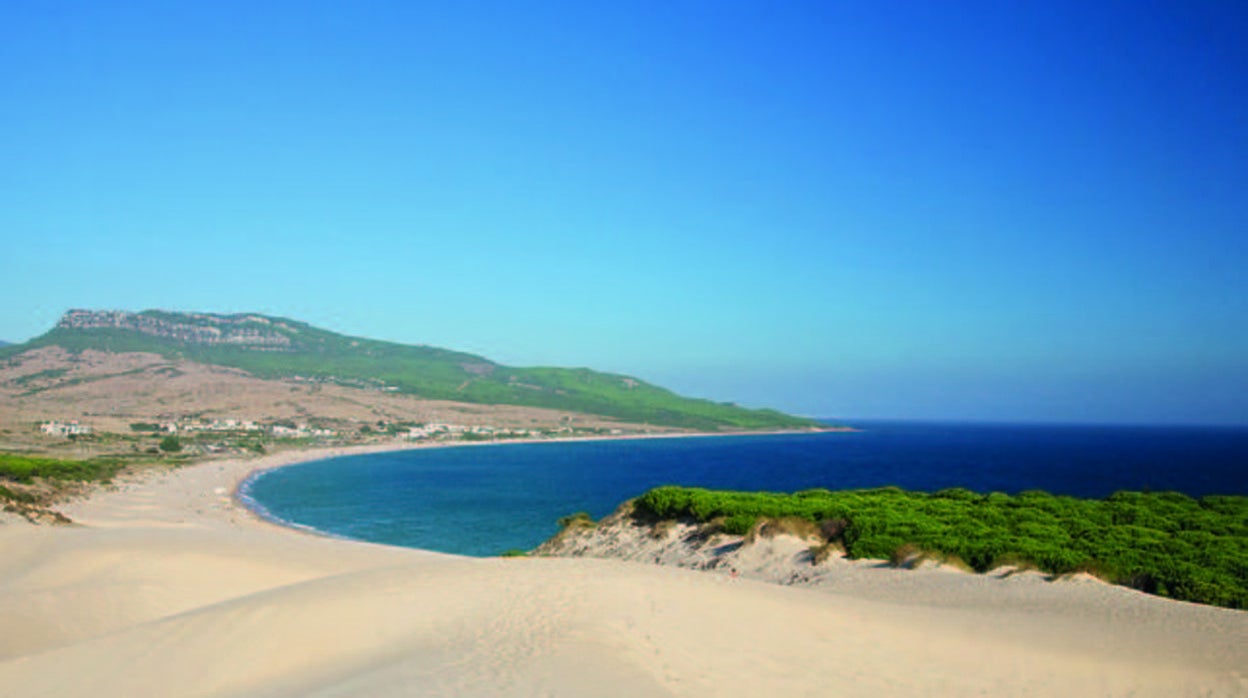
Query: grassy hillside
point(1164, 543)
point(429, 372)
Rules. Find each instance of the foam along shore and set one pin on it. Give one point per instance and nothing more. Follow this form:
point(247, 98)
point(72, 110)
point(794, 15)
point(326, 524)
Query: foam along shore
point(168, 587)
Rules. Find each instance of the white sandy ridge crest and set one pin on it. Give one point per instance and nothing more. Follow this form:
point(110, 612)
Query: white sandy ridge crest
point(170, 589)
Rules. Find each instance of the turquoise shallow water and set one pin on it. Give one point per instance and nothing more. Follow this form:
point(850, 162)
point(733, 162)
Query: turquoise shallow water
point(484, 500)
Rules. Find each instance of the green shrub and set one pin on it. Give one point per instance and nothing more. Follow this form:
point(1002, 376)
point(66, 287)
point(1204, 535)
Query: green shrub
point(25, 469)
point(1164, 543)
point(580, 519)
point(739, 524)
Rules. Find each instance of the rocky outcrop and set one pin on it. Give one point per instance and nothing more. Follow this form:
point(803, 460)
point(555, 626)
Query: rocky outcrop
point(252, 331)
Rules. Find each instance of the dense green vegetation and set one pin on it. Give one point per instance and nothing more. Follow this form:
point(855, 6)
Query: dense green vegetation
point(25, 469)
point(429, 372)
point(1163, 543)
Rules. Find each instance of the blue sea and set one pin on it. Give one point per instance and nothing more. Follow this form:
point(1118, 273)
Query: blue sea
point(487, 499)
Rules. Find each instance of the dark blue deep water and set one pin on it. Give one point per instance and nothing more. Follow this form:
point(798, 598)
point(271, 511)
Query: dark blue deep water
point(484, 500)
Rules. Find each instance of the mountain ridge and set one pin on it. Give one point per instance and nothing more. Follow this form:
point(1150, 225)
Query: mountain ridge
point(274, 347)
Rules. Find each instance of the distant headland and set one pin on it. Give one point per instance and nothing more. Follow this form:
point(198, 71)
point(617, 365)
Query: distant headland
point(117, 388)
point(283, 349)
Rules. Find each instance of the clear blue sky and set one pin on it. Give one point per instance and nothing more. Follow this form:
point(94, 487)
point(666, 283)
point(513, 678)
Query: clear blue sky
point(972, 210)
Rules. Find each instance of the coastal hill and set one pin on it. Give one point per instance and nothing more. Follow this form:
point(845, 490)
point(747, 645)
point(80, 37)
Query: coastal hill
point(271, 348)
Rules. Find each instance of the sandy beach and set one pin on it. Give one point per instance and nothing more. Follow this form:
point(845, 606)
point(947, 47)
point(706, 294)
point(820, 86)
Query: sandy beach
point(168, 587)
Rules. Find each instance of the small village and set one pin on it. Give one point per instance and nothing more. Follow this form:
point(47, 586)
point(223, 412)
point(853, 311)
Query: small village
point(200, 432)
point(66, 429)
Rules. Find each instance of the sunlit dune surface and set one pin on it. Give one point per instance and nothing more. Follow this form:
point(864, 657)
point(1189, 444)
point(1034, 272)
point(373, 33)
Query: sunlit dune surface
point(169, 588)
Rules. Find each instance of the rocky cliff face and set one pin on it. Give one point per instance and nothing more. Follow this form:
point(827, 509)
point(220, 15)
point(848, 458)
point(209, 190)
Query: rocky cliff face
point(251, 331)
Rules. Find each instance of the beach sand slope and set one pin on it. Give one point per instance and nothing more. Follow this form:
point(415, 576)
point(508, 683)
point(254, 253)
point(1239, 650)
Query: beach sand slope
point(168, 588)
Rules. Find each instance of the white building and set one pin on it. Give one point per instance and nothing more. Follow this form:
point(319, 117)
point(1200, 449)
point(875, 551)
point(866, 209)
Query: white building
point(66, 429)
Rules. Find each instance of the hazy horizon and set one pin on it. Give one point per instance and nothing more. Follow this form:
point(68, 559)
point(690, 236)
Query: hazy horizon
point(1025, 212)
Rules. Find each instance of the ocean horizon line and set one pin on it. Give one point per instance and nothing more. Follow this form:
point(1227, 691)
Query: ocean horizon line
point(1044, 423)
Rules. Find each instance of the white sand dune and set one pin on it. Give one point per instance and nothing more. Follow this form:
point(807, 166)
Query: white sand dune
point(170, 589)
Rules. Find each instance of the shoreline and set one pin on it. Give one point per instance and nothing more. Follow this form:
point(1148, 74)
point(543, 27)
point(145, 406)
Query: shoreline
point(301, 456)
point(691, 548)
point(170, 586)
